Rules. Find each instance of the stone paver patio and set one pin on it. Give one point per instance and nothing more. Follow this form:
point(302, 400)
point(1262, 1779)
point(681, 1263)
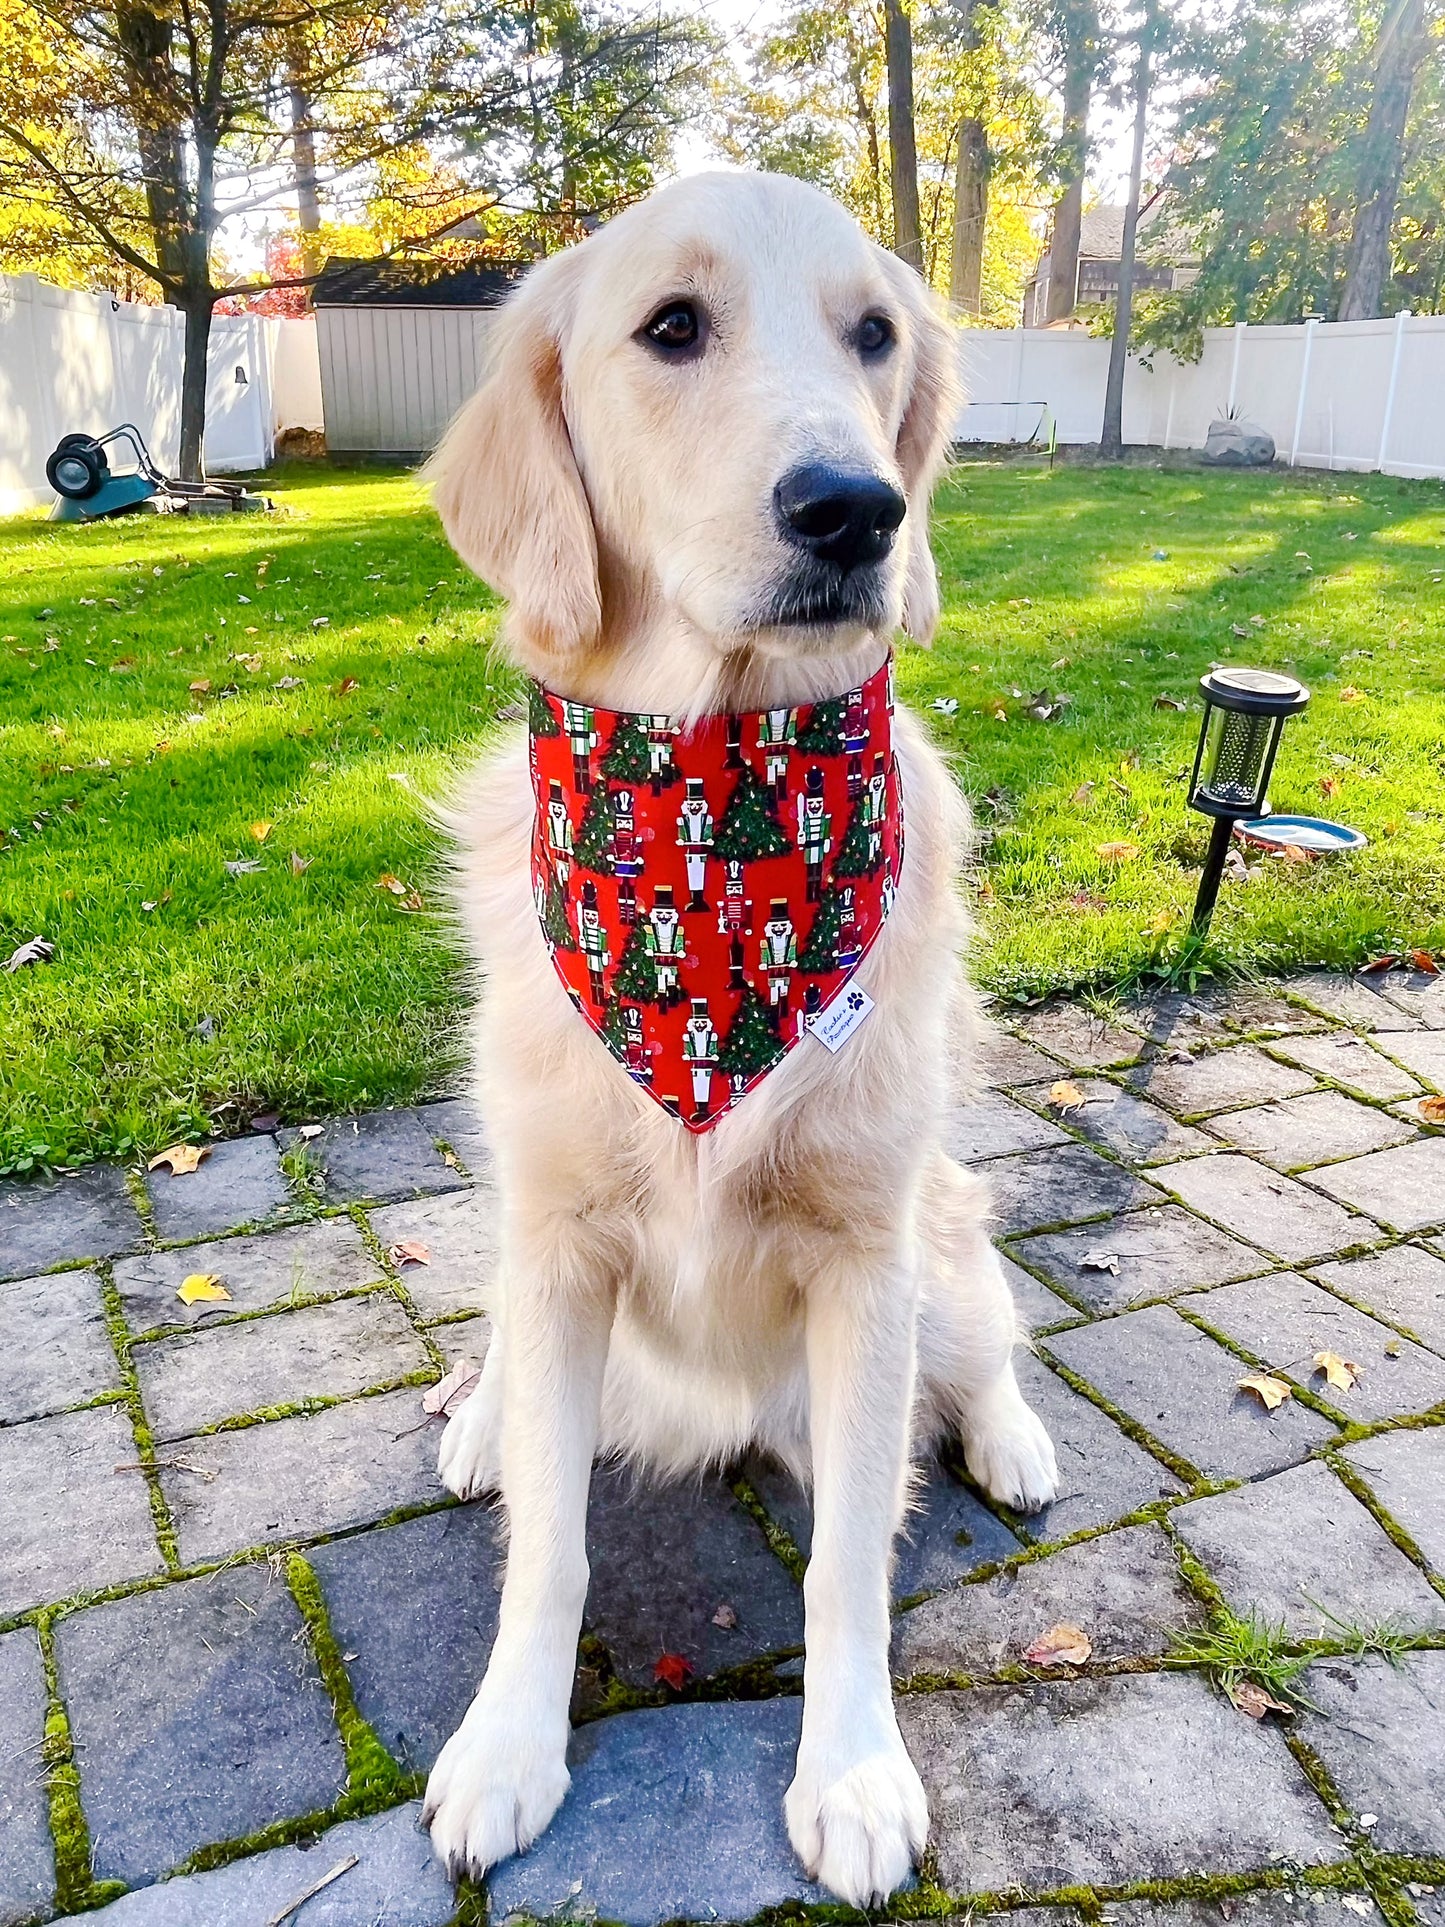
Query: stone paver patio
point(238, 1614)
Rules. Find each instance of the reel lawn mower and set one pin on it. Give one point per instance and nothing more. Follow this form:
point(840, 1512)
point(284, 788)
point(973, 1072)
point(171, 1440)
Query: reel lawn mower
point(80, 473)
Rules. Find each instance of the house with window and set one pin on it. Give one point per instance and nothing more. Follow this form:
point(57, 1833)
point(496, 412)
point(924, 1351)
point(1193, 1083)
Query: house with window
point(1162, 261)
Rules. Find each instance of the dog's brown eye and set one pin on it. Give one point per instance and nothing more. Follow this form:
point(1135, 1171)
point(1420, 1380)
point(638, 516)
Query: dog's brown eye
point(875, 335)
point(674, 328)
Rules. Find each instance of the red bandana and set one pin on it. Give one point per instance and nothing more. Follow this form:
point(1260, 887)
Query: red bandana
point(706, 892)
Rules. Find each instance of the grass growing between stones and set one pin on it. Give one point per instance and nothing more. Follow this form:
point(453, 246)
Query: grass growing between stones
point(1235, 1650)
point(315, 671)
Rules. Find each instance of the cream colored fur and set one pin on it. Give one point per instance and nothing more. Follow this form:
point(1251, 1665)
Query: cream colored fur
point(811, 1276)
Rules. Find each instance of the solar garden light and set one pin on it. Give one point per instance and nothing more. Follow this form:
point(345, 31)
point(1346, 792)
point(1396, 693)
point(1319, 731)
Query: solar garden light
point(1245, 711)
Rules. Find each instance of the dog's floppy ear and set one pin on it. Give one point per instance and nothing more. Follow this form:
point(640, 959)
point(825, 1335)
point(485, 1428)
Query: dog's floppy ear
point(930, 410)
point(505, 479)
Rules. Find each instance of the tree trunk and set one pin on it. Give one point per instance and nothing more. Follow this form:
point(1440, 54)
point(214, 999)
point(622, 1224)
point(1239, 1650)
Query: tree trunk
point(1402, 44)
point(902, 150)
point(1080, 63)
point(303, 153)
point(145, 44)
point(197, 309)
point(970, 216)
point(1111, 441)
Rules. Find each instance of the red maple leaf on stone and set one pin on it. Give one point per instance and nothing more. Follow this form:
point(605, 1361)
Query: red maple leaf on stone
point(673, 1670)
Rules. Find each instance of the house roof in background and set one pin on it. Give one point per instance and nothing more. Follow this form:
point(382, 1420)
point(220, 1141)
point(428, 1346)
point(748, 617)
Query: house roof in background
point(415, 284)
point(1101, 236)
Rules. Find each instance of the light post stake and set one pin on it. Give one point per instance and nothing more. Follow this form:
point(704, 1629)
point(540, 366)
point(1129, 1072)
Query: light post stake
point(1245, 711)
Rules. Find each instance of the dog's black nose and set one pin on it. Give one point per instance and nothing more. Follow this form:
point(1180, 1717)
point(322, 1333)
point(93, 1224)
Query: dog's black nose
point(844, 515)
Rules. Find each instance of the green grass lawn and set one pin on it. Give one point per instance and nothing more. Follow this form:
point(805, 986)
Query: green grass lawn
point(346, 667)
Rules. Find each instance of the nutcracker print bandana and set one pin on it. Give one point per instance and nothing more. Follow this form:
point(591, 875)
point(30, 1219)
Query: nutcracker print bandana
point(706, 892)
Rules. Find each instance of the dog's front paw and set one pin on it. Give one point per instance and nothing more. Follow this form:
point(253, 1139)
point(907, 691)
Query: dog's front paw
point(858, 1828)
point(469, 1462)
point(1008, 1451)
point(493, 1790)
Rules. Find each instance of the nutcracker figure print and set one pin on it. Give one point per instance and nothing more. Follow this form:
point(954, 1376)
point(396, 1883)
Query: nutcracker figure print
point(814, 831)
point(578, 721)
point(694, 836)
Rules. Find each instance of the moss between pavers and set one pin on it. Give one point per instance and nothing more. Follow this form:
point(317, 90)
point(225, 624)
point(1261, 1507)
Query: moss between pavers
point(1393, 1530)
point(1304, 1394)
point(114, 1314)
point(1130, 1427)
point(75, 1884)
point(371, 1772)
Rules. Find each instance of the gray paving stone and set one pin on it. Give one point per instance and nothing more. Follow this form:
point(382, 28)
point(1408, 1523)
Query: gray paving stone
point(461, 1234)
point(457, 1121)
point(1418, 994)
point(1103, 1474)
point(1006, 1059)
point(45, 1222)
point(1381, 1732)
point(1123, 1589)
point(1403, 1188)
point(1356, 1001)
point(241, 1182)
point(1349, 1060)
point(297, 1261)
point(995, 1125)
point(1161, 1251)
point(27, 1859)
point(54, 1346)
point(68, 1523)
point(1405, 1285)
point(1184, 1390)
point(1189, 1020)
point(323, 1351)
point(1286, 1321)
point(382, 1154)
point(1429, 1902)
point(1080, 1038)
point(1138, 1132)
point(1061, 1186)
point(398, 1882)
point(414, 1609)
point(198, 1716)
point(1406, 1473)
point(1301, 1549)
point(1302, 1131)
point(1266, 1907)
point(673, 1814)
point(296, 1478)
point(1034, 1304)
point(1221, 1081)
point(1275, 1212)
point(664, 1559)
point(1139, 1777)
point(1420, 1051)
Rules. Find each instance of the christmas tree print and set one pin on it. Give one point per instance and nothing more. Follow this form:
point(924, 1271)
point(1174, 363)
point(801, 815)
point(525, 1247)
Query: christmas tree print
point(822, 734)
point(614, 1029)
point(555, 927)
point(590, 847)
point(859, 855)
point(752, 1042)
point(749, 827)
point(635, 978)
point(629, 756)
point(540, 719)
point(820, 952)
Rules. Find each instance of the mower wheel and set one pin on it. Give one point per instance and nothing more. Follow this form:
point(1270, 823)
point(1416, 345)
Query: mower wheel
point(78, 468)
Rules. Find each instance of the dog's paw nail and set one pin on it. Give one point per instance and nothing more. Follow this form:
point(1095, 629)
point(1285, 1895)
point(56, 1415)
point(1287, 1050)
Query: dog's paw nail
point(860, 1833)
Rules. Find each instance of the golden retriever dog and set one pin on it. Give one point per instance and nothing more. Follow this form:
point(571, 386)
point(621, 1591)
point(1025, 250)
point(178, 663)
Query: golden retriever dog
point(699, 472)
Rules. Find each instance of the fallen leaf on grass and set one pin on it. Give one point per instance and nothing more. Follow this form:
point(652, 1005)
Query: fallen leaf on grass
point(726, 1617)
point(299, 864)
point(202, 1288)
point(1272, 1392)
point(673, 1670)
point(1432, 1109)
point(1061, 1645)
point(1349, 694)
point(1100, 1261)
point(244, 866)
point(1330, 785)
point(1066, 1096)
point(180, 1157)
point(1170, 702)
point(1160, 923)
point(345, 686)
point(1254, 1701)
point(1082, 794)
point(386, 881)
point(37, 950)
point(411, 1251)
point(441, 1399)
point(201, 686)
point(1295, 853)
point(1118, 852)
point(261, 830)
point(1340, 1372)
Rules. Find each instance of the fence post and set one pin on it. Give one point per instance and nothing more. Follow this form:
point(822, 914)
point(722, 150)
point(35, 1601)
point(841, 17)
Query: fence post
point(1304, 382)
point(1239, 328)
point(1018, 393)
point(1400, 319)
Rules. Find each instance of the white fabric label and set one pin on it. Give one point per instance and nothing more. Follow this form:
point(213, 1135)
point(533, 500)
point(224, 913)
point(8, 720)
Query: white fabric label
point(835, 1025)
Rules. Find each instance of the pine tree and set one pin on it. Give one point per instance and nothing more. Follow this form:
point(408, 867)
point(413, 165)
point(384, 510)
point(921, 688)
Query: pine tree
point(749, 826)
point(820, 952)
point(853, 853)
point(629, 759)
point(613, 1028)
point(752, 1041)
point(822, 734)
point(635, 978)
point(555, 925)
point(593, 835)
point(540, 719)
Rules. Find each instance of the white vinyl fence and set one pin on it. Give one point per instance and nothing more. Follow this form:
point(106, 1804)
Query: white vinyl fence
point(83, 363)
point(1339, 394)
